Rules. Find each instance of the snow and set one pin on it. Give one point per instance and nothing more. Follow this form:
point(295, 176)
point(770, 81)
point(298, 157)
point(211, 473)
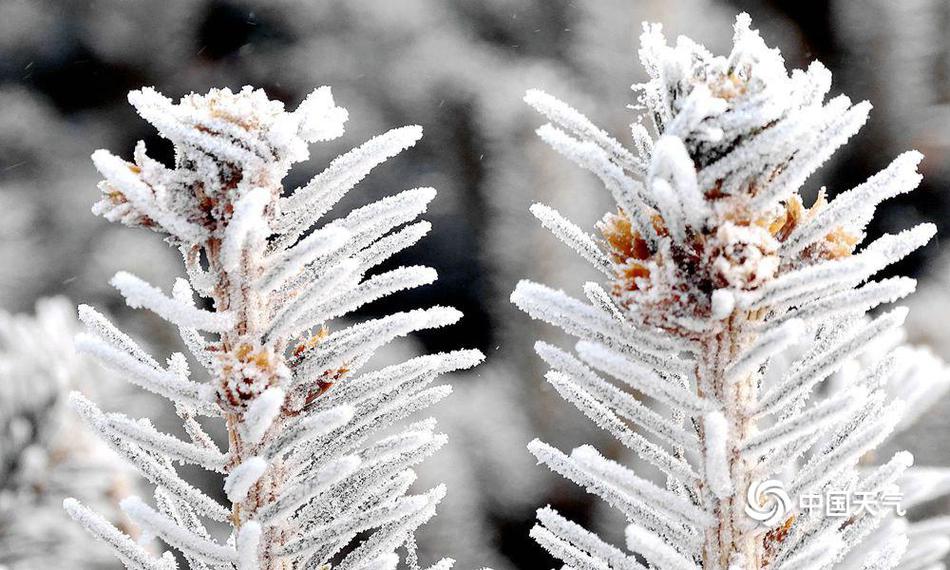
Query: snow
point(320, 118)
point(243, 477)
point(245, 227)
point(261, 413)
point(723, 303)
point(672, 164)
point(717, 454)
point(248, 542)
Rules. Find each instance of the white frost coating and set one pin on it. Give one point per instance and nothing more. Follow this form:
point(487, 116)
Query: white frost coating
point(899, 177)
point(888, 555)
point(813, 420)
point(370, 335)
point(341, 533)
point(385, 562)
point(622, 403)
point(319, 118)
point(568, 118)
point(563, 550)
point(118, 173)
point(641, 378)
point(188, 542)
point(154, 471)
point(292, 260)
point(247, 226)
point(163, 382)
point(142, 433)
point(655, 550)
point(283, 372)
point(573, 236)
point(102, 529)
point(723, 303)
point(369, 290)
point(864, 435)
point(306, 205)
point(261, 413)
point(313, 426)
point(584, 321)
point(663, 500)
point(392, 244)
point(446, 564)
point(599, 298)
point(716, 454)
point(310, 488)
point(242, 478)
point(737, 301)
point(799, 381)
point(283, 322)
point(764, 347)
point(379, 543)
point(248, 543)
point(670, 207)
point(105, 330)
point(818, 553)
point(836, 131)
point(590, 157)
point(583, 540)
point(380, 216)
point(139, 294)
point(672, 164)
point(859, 300)
point(654, 454)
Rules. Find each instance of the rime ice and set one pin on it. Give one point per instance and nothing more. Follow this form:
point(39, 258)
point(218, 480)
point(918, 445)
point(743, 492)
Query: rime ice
point(737, 305)
point(305, 471)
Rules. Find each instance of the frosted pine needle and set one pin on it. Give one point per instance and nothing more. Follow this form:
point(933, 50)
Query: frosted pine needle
point(743, 313)
point(305, 472)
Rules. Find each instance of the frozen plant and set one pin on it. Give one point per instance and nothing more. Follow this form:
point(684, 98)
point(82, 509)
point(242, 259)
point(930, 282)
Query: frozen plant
point(307, 468)
point(46, 454)
point(713, 268)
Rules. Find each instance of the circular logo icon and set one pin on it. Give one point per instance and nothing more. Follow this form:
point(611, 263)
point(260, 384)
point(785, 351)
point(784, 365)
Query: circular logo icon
point(767, 502)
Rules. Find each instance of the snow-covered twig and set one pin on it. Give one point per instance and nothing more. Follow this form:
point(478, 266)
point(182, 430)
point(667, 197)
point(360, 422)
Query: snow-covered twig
point(301, 424)
point(717, 276)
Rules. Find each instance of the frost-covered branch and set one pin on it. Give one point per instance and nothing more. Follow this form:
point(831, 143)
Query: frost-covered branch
point(739, 313)
point(304, 471)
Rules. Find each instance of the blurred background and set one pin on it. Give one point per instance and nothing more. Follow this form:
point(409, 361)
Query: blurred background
point(459, 68)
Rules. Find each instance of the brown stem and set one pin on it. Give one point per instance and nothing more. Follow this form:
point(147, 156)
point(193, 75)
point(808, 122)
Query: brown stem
point(729, 538)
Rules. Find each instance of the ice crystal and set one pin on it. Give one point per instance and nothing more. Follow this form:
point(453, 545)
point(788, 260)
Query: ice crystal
point(714, 270)
point(306, 469)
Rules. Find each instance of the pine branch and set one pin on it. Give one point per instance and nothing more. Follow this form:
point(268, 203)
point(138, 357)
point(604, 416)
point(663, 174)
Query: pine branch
point(736, 310)
point(304, 470)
